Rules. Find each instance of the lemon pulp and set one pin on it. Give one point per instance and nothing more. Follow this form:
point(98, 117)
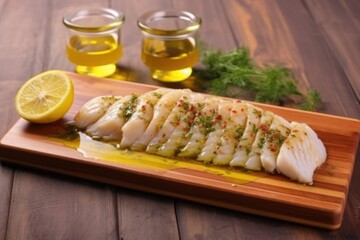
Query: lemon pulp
point(45, 97)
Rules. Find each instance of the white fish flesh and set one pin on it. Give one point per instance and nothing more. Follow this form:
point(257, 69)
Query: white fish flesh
point(170, 124)
point(108, 127)
point(254, 161)
point(183, 124)
point(232, 133)
point(202, 125)
point(135, 127)
point(93, 110)
point(180, 136)
point(274, 138)
point(213, 141)
point(301, 153)
point(247, 138)
point(161, 125)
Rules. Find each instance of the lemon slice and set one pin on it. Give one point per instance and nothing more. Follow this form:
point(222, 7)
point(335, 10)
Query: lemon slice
point(45, 97)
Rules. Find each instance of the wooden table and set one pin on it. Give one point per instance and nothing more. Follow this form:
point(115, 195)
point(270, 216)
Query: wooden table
point(318, 39)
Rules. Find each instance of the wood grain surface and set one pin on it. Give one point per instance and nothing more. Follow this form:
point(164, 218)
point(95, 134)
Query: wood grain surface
point(318, 40)
point(321, 205)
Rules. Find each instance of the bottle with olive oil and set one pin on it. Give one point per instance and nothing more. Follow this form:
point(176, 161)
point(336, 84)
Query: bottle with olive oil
point(93, 40)
point(94, 55)
point(170, 60)
point(169, 45)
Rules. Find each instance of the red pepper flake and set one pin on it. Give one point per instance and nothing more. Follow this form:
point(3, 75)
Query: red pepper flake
point(238, 101)
point(192, 108)
point(264, 128)
point(219, 117)
point(143, 107)
point(234, 111)
point(189, 124)
point(273, 148)
point(186, 129)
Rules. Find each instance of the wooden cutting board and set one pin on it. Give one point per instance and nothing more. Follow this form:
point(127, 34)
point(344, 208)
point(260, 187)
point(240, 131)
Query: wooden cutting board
point(321, 205)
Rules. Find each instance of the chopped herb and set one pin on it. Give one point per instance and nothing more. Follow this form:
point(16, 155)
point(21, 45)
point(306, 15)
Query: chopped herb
point(257, 113)
point(261, 142)
point(239, 131)
point(199, 106)
point(255, 129)
point(276, 139)
point(176, 121)
point(184, 104)
point(129, 107)
point(248, 150)
point(207, 123)
point(156, 94)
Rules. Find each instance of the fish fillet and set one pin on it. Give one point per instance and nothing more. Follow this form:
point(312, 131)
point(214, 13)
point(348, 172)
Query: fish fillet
point(188, 125)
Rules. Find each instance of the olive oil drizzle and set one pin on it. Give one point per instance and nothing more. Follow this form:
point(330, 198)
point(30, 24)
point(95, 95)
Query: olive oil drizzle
point(108, 152)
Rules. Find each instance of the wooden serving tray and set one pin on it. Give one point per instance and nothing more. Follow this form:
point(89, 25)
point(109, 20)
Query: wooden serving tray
point(321, 205)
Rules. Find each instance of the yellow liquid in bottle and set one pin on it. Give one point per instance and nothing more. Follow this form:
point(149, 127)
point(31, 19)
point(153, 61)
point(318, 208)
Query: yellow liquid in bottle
point(169, 60)
point(95, 56)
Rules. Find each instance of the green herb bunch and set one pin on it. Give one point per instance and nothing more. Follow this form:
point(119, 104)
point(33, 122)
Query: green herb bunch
point(231, 73)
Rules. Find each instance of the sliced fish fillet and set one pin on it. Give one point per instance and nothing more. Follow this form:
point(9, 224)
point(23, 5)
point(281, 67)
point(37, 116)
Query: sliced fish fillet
point(183, 124)
point(213, 141)
point(202, 126)
point(301, 153)
point(93, 110)
point(170, 124)
point(108, 127)
point(274, 138)
point(179, 138)
point(232, 133)
point(246, 139)
point(161, 125)
point(253, 162)
point(135, 127)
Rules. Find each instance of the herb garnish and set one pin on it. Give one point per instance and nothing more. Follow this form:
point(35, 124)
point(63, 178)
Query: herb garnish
point(129, 107)
point(207, 123)
point(231, 73)
point(312, 99)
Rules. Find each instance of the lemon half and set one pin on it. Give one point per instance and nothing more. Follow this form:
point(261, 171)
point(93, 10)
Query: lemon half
point(46, 97)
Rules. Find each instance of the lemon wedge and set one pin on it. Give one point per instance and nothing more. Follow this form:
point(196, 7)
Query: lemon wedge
point(46, 97)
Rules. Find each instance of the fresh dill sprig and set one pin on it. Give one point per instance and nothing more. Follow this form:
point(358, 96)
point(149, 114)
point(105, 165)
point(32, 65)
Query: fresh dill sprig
point(230, 73)
point(274, 84)
point(311, 100)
